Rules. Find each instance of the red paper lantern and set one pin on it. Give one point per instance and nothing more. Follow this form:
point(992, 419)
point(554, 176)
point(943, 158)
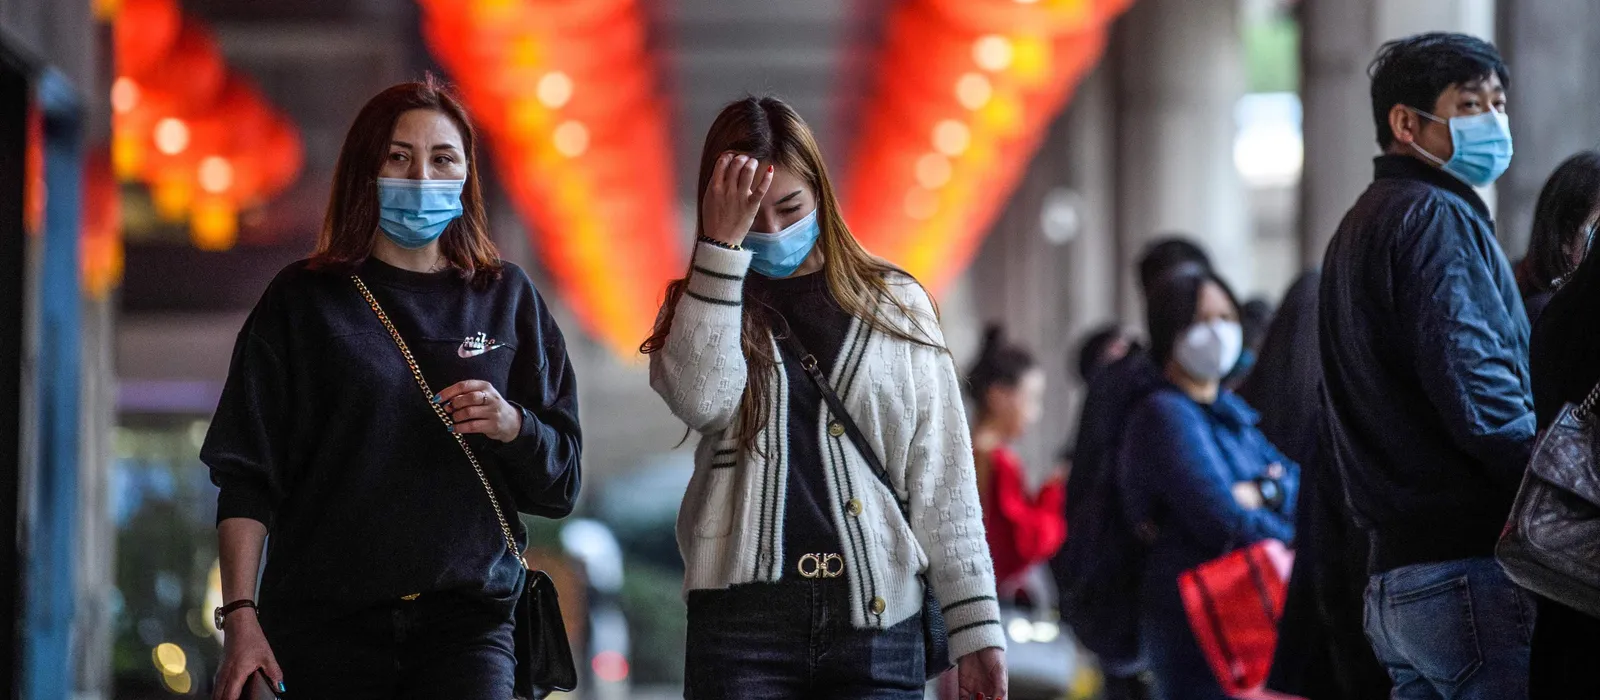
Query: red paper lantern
point(143, 33)
point(189, 77)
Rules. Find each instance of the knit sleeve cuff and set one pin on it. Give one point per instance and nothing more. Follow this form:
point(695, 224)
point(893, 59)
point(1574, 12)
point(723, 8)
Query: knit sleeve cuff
point(718, 275)
point(973, 624)
point(242, 498)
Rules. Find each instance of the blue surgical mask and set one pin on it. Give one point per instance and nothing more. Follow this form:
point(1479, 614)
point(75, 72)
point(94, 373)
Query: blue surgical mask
point(413, 213)
point(1482, 147)
point(778, 255)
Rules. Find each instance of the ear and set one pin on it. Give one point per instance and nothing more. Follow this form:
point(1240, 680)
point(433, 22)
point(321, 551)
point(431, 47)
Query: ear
point(1404, 123)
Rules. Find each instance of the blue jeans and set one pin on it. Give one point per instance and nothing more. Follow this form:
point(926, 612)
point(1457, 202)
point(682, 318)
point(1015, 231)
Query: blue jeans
point(441, 645)
point(1453, 630)
point(793, 640)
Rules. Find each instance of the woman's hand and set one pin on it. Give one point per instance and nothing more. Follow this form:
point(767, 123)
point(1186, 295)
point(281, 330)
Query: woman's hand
point(732, 197)
point(477, 407)
point(244, 650)
point(983, 675)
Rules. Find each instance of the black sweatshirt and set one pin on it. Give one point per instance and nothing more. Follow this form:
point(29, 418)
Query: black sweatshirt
point(323, 435)
point(820, 324)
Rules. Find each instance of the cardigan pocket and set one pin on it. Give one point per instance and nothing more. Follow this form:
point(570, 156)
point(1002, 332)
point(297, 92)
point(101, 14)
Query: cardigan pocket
point(715, 511)
point(904, 547)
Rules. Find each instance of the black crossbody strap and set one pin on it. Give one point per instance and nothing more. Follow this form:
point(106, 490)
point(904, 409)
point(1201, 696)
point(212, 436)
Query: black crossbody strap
point(808, 362)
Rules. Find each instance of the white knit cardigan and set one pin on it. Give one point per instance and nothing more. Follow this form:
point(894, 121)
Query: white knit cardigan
point(905, 398)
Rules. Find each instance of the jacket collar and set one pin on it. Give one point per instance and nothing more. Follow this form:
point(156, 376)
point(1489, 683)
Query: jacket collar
point(1403, 167)
point(1228, 409)
point(1233, 411)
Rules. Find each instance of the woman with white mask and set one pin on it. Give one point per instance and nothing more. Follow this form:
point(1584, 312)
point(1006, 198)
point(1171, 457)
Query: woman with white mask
point(1197, 476)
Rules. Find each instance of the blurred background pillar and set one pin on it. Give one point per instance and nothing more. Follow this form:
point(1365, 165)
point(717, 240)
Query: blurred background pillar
point(1180, 71)
point(1340, 38)
point(1047, 272)
point(1553, 47)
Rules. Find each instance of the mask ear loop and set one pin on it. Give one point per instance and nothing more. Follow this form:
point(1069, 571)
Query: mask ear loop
point(1436, 160)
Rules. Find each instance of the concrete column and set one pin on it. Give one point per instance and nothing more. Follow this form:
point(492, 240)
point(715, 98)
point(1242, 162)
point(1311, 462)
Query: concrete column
point(1553, 47)
point(1339, 40)
point(1049, 283)
point(1180, 73)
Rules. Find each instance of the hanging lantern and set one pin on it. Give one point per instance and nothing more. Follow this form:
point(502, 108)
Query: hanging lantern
point(189, 77)
point(144, 32)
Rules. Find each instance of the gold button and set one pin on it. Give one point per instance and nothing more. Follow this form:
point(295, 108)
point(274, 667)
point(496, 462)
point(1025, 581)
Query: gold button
point(878, 606)
point(853, 507)
point(835, 429)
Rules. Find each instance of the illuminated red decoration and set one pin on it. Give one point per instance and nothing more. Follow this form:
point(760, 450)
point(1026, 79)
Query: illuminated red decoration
point(966, 90)
point(205, 140)
point(566, 93)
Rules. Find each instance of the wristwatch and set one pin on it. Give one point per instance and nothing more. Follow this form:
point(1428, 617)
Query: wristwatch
point(220, 615)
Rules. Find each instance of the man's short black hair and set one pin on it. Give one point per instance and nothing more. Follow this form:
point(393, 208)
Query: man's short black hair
point(1165, 254)
point(1415, 70)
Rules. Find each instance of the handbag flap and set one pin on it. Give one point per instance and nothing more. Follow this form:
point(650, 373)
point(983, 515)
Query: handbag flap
point(1564, 456)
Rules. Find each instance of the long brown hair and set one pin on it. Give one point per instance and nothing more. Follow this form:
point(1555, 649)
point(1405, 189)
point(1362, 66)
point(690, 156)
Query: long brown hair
point(769, 130)
point(351, 224)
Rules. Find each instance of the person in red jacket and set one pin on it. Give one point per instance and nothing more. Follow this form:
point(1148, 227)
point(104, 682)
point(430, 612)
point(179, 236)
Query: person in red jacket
point(1008, 388)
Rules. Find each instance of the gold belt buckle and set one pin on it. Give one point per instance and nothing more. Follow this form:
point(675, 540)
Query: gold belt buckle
point(821, 566)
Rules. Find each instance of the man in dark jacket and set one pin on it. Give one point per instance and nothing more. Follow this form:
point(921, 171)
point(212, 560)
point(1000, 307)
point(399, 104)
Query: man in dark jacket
point(1095, 569)
point(1424, 345)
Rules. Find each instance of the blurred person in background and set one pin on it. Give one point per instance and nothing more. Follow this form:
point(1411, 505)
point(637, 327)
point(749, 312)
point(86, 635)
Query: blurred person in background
point(1097, 570)
point(390, 574)
point(1565, 362)
point(1425, 375)
point(1101, 349)
point(1007, 389)
point(1322, 653)
point(1564, 224)
point(786, 530)
point(1198, 477)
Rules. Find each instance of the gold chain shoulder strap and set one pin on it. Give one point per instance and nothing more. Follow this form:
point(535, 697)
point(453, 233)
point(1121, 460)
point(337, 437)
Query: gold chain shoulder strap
point(438, 410)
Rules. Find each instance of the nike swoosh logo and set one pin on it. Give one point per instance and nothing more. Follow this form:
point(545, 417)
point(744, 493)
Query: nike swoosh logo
point(465, 351)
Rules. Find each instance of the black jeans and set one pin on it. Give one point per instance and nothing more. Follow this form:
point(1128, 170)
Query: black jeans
point(793, 639)
point(441, 645)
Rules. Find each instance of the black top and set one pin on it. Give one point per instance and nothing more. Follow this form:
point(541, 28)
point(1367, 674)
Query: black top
point(323, 435)
point(1424, 354)
point(1565, 350)
point(820, 324)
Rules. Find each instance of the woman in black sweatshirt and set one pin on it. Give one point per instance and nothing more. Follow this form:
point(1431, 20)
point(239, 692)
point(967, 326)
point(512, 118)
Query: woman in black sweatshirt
point(390, 573)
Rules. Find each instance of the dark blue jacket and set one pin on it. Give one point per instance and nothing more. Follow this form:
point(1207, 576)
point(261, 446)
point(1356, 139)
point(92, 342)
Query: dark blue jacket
point(1424, 356)
point(1179, 462)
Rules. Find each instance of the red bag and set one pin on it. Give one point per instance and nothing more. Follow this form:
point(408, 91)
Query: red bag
point(1234, 603)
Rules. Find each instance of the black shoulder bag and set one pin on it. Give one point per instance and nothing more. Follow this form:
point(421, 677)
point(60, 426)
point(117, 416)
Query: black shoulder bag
point(935, 640)
point(543, 653)
point(1551, 543)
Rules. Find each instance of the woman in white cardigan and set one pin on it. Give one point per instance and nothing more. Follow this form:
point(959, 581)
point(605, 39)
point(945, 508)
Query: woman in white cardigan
point(803, 577)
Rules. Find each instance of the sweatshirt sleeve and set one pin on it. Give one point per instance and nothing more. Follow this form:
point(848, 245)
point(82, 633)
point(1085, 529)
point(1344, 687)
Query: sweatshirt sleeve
point(245, 446)
point(700, 372)
point(542, 463)
point(946, 515)
point(1174, 461)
